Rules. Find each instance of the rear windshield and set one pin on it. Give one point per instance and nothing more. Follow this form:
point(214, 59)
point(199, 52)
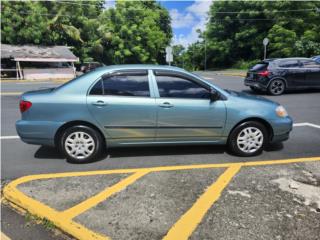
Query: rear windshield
point(259, 66)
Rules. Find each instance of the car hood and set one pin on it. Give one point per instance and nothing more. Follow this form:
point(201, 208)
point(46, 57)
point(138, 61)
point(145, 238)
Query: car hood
point(248, 96)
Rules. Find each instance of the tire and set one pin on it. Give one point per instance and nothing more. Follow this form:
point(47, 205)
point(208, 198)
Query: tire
point(81, 144)
point(276, 87)
point(242, 141)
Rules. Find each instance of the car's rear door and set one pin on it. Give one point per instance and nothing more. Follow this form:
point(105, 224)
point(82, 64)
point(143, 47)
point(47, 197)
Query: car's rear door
point(312, 73)
point(121, 102)
point(185, 111)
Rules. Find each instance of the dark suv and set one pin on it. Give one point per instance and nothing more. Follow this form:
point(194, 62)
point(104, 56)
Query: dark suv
point(277, 75)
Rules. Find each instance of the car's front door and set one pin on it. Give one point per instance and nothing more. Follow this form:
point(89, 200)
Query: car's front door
point(122, 105)
point(293, 73)
point(312, 72)
point(185, 111)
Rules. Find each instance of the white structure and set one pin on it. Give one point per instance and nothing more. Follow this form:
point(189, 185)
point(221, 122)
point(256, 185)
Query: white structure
point(37, 62)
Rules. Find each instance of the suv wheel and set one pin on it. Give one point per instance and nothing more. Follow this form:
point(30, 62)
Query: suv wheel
point(248, 139)
point(276, 87)
point(81, 144)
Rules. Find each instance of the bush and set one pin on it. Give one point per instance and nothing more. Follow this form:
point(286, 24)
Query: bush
point(242, 64)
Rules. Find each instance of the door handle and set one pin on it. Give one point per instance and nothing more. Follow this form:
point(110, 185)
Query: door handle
point(99, 103)
point(166, 105)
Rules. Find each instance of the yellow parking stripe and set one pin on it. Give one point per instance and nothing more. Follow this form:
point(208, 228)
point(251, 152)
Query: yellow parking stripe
point(102, 196)
point(10, 93)
point(184, 227)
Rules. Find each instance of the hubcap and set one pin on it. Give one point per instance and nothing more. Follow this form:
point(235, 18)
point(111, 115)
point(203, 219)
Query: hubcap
point(79, 145)
point(277, 87)
point(250, 140)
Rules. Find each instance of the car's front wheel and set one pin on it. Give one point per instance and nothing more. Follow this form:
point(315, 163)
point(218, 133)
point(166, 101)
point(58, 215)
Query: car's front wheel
point(81, 144)
point(248, 139)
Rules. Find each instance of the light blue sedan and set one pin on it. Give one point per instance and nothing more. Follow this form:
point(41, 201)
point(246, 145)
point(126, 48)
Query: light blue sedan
point(147, 105)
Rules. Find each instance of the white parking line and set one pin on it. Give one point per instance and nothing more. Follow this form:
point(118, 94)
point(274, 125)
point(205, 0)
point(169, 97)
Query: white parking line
point(9, 137)
point(305, 124)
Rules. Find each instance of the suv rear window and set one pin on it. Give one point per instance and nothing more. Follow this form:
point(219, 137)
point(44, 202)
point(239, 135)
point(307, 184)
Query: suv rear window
point(259, 66)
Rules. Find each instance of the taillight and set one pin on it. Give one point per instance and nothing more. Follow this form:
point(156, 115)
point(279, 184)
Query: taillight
point(264, 73)
point(24, 105)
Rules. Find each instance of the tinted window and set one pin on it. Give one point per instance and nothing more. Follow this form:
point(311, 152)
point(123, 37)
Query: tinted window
point(289, 64)
point(259, 66)
point(97, 89)
point(310, 64)
point(126, 85)
point(177, 87)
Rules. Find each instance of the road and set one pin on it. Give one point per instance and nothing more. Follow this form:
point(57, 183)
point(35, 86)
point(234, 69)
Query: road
point(20, 159)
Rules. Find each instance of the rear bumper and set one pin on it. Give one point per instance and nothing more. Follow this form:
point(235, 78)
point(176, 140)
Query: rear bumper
point(37, 132)
point(255, 83)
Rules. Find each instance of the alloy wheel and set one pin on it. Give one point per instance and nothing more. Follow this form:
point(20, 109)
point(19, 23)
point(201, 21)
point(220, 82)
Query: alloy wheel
point(277, 87)
point(79, 145)
point(250, 140)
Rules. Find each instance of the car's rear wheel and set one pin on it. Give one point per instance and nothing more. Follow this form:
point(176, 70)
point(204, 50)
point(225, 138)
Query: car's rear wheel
point(81, 144)
point(277, 87)
point(248, 139)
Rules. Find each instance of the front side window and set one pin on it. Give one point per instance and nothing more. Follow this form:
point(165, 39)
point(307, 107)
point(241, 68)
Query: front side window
point(122, 85)
point(177, 87)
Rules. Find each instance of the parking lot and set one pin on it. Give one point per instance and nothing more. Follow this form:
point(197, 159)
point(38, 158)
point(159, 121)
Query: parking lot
point(198, 192)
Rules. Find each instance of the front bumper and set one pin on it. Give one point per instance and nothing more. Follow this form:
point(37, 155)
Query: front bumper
point(281, 129)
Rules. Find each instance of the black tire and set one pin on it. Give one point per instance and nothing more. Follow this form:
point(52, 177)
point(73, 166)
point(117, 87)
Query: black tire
point(276, 87)
point(86, 152)
point(236, 149)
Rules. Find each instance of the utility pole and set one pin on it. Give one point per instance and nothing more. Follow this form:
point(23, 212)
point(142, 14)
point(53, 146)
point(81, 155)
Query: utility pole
point(205, 53)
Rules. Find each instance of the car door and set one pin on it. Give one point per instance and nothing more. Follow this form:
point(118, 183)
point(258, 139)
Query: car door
point(121, 103)
point(292, 72)
point(312, 73)
point(185, 111)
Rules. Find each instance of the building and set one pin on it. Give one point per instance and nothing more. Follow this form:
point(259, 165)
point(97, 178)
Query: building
point(37, 62)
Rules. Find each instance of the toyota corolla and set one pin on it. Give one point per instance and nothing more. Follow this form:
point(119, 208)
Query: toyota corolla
point(147, 105)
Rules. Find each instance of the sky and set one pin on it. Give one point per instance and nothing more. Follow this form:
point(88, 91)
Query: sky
point(186, 17)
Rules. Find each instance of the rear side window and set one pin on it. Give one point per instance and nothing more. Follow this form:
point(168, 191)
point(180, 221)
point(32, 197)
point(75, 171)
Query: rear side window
point(310, 64)
point(289, 64)
point(97, 89)
point(178, 87)
point(126, 85)
point(260, 66)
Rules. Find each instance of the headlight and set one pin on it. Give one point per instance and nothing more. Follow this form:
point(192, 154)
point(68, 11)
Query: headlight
point(281, 111)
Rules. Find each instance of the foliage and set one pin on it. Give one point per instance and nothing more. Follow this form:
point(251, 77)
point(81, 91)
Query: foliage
point(234, 32)
point(132, 32)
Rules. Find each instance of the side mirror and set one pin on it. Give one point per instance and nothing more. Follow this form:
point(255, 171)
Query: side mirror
point(214, 95)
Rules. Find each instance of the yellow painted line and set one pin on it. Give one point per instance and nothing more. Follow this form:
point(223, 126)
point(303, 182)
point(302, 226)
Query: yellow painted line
point(10, 93)
point(41, 210)
point(184, 227)
point(102, 196)
point(4, 237)
point(34, 81)
point(63, 220)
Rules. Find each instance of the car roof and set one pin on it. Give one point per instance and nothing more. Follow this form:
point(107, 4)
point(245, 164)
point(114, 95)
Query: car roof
point(292, 58)
point(138, 66)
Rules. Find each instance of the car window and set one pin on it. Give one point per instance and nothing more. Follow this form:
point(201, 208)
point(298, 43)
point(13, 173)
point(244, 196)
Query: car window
point(310, 64)
point(259, 66)
point(97, 89)
point(126, 85)
point(289, 64)
point(178, 87)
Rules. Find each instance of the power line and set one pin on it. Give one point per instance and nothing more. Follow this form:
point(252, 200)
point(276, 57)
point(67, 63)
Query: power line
point(270, 11)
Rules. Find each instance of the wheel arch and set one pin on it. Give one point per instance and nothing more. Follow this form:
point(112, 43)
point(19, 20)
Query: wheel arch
point(256, 119)
point(75, 123)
